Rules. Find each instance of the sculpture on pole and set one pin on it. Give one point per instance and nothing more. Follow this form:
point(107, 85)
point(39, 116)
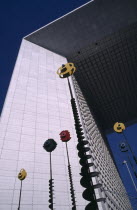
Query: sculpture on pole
point(49, 146)
point(21, 176)
point(119, 127)
point(65, 71)
point(65, 137)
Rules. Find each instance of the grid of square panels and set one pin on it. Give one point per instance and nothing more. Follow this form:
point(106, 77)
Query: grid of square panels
point(112, 187)
point(109, 69)
point(37, 107)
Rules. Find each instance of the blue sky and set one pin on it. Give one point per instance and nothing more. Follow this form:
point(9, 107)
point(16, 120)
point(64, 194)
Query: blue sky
point(18, 19)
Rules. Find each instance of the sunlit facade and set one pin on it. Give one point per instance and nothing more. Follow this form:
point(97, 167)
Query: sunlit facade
point(37, 107)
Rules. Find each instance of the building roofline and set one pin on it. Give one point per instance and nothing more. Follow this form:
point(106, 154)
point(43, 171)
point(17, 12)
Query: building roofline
point(59, 18)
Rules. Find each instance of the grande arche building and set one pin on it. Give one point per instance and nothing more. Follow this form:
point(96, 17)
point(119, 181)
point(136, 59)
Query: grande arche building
point(100, 39)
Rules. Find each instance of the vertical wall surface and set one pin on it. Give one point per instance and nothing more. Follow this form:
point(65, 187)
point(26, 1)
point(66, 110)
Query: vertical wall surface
point(37, 107)
point(112, 187)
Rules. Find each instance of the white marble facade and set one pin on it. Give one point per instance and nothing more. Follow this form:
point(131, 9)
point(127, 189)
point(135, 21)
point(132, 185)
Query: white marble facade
point(37, 107)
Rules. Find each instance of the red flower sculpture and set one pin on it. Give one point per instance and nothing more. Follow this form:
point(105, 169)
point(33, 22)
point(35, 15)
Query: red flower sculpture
point(65, 136)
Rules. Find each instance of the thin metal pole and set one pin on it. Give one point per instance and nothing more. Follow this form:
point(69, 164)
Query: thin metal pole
point(125, 162)
point(50, 167)
point(67, 154)
point(51, 186)
point(20, 195)
point(71, 182)
point(70, 88)
point(135, 173)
